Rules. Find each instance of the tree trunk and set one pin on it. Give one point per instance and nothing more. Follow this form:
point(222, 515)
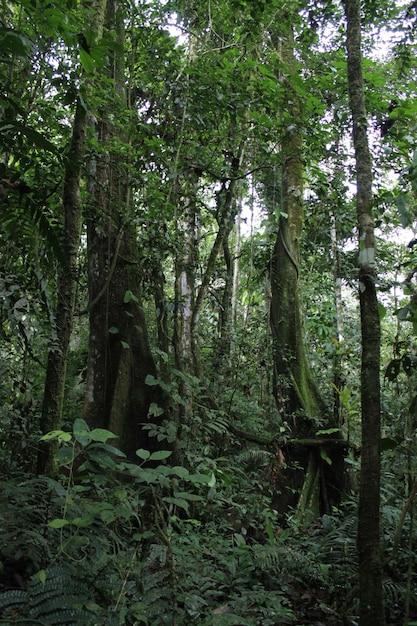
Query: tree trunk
point(58, 351)
point(294, 386)
point(186, 268)
point(226, 200)
point(370, 571)
point(119, 358)
point(295, 390)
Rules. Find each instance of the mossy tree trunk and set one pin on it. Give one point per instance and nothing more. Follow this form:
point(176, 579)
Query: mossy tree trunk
point(369, 550)
point(296, 392)
point(119, 358)
point(295, 388)
point(53, 397)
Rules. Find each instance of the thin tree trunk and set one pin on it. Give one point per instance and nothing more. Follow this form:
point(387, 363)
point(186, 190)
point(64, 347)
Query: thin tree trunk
point(338, 302)
point(58, 351)
point(186, 268)
point(227, 213)
point(369, 551)
point(236, 262)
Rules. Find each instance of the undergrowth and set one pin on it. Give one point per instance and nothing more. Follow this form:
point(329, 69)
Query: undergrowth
point(150, 544)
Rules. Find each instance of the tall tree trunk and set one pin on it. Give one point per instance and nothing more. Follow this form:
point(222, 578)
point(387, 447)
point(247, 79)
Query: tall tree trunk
point(295, 389)
point(186, 268)
point(58, 351)
point(369, 554)
point(294, 385)
point(119, 358)
point(338, 304)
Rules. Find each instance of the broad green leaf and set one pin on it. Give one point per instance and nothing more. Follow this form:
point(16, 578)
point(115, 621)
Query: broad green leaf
point(105, 447)
point(159, 455)
point(155, 410)
point(13, 43)
point(58, 523)
point(382, 311)
point(180, 471)
point(61, 435)
point(81, 431)
point(143, 454)
point(151, 381)
point(202, 479)
point(65, 456)
point(102, 435)
point(34, 137)
point(191, 497)
point(179, 502)
point(82, 522)
point(130, 297)
point(87, 61)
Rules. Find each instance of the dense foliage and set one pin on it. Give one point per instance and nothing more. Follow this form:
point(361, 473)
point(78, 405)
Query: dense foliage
point(180, 339)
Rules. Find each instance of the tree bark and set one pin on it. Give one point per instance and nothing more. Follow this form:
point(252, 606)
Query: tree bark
point(119, 358)
point(53, 397)
point(294, 386)
point(369, 552)
point(295, 389)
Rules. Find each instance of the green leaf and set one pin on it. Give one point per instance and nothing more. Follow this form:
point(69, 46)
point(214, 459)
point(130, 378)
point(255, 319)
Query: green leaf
point(130, 297)
point(58, 523)
point(191, 497)
point(41, 576)
point(65, 456)
point(143, 454)
point(108, 449)
point(202, 479)
point(325, 456)
point(180, 471)
point(155, 410)
point(151, 381)
point(13, 43)
point(81, 431)
point(82, 522)
point(33, 136)
point(179, 502)
point(125, 345)
point(160, 455)
point(382, 311)
point(87, 61)
point(101, 434)
point(328, 431)
point(61, 435)
point(113, 330)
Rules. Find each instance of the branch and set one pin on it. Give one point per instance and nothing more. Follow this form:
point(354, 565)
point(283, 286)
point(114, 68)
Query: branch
point(269, 441)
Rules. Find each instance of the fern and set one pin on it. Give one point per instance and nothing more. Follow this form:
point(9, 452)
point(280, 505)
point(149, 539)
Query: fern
point(290, 562)
point(26, 507)
point(56, 601)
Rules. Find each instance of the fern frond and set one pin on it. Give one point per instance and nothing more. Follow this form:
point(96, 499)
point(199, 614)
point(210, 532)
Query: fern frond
point(254, 458)
point(58, 601)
